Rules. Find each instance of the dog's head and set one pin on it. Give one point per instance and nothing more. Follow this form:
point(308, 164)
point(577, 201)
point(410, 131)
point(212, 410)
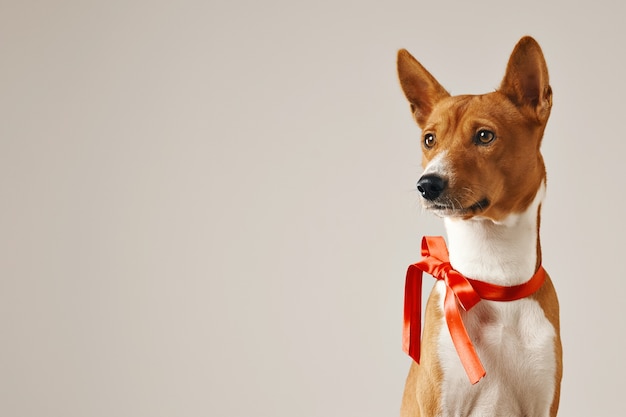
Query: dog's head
point(481, 152)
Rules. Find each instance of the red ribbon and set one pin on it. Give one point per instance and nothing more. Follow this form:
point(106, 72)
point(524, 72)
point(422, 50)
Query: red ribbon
point(461, 291)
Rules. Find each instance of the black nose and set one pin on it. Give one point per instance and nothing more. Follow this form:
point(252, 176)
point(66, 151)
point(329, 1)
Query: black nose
point(431, 186)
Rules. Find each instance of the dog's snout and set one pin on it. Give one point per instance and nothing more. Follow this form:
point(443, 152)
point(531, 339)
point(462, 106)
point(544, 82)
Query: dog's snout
point(431, 186)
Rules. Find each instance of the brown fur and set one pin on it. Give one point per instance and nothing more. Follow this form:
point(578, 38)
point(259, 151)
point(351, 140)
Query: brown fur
point(547, 299)
point(424, 380)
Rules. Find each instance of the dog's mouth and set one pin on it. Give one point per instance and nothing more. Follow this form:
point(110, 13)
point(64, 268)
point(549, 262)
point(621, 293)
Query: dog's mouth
point(451, 208)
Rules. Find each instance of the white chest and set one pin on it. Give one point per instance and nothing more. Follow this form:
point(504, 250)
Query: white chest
point(515, 343)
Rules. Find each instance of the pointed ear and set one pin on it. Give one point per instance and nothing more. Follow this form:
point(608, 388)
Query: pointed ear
point(526, 80)
point(420, 88)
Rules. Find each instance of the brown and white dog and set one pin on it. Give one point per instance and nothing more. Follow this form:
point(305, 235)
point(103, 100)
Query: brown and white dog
point(485, 176)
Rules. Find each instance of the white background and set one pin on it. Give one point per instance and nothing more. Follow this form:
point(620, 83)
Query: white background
point(207, 208)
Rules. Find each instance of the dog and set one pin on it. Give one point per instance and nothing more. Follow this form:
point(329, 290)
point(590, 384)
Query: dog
point(485, 176)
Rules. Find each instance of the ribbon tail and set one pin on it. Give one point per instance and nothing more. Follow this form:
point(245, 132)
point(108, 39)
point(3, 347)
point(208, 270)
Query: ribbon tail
point(411, 332)
point(460, 338)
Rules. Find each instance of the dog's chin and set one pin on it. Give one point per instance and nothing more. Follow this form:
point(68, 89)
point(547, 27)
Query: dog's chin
point(453, 209)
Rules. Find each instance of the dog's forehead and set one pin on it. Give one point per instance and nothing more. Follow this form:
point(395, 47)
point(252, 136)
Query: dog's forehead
point(453, 111)
point(451, 107)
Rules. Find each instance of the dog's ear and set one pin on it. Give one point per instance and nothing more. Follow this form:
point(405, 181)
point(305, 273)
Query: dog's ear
point(526, 80)
point(419, 86)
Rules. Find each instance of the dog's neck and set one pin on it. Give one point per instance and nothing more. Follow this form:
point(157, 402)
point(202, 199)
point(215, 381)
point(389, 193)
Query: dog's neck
point(503, 253)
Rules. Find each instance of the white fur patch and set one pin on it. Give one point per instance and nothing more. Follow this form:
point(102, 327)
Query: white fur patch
point(438, 165)
point(502, 253)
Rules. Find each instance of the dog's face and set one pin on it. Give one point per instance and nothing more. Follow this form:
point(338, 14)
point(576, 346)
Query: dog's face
point(481, 153)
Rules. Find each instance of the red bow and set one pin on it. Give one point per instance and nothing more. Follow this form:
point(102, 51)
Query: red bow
point(461, 291)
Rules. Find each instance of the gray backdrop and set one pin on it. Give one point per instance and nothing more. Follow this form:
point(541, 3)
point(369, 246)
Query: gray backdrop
point(207, 207)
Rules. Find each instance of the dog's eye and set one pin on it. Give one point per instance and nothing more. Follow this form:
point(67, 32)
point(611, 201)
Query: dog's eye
point(484, 137)
point(429, 140)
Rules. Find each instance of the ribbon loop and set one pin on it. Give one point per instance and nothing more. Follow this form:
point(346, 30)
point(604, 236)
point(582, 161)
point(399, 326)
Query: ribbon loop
point(461, 291)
